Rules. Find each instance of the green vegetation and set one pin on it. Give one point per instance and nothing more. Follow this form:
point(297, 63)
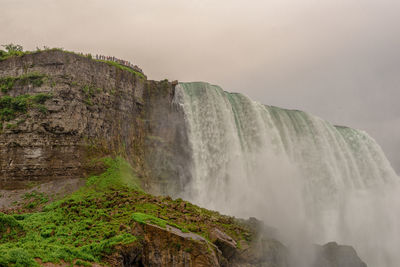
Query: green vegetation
point(8, 223)
point(34, 78)
point(10, 106)
point(35, 199)
point(11, 126)
point(82, 226)
point(147, 218)
point(89, 91)
point(122, 67)
point(89, 224)
point(15, 50)
point(11, 50)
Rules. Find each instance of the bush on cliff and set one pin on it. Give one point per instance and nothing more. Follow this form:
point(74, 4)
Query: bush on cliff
point(34, 78)
point(10, 106)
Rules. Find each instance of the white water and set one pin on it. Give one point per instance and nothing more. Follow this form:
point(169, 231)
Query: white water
point(313, 181)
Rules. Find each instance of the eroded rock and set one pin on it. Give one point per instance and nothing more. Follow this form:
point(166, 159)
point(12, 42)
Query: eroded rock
point(334, 255)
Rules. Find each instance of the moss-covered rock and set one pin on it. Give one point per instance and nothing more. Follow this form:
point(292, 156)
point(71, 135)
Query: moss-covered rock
point(102, 219)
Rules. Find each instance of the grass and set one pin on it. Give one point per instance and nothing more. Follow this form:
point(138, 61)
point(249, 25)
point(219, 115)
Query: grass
point(122, 67)
point(80, 226)
point(34, 199)
point(34, 78)
point(147, 218)
point(11, 107)
point(87, 225)
point(89, 91)
point(18, 53)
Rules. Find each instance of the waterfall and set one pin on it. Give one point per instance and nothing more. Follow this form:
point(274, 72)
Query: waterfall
point(297, 172)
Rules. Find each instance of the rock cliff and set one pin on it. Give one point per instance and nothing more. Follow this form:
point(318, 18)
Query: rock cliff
point(91, 108)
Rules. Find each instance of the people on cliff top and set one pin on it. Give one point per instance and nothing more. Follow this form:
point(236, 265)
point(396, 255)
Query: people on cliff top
point(119, 61)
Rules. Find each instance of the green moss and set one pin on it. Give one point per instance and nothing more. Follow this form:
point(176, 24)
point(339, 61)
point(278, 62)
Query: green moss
point(11, 50)
point(40, 98)
point(11, 126)
point(17, 51)
point(146, 218)
point(119, 174)
point(34, 78)
point(6, 84)
point(82, 263)
point(7, 221)
point(88, 224)
point(35, 199)
point(41, 108)
point(122, 67)
point(10, 107)
point(80, 226)
point(18, 257)
point(89, 91)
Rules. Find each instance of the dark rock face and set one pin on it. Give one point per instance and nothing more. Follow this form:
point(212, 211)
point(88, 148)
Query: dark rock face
point(167, 153)
point(334, 255)
point(54, 145)
point(95, 109)
point(172, 247)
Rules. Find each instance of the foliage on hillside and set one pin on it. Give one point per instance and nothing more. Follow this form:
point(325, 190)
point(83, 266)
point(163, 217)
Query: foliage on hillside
point(88, 224)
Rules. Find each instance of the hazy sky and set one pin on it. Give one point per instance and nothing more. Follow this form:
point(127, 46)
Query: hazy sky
point(338, 59)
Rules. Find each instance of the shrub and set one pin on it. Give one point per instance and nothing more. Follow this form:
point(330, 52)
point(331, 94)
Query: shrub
point(7, 221)
point(34, 78)
point(10, 107)
point(21, 258)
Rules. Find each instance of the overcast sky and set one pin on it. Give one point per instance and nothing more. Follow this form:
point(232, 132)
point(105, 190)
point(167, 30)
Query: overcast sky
point(337, 59)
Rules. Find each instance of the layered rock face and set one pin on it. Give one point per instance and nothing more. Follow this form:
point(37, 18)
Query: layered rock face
point(172, 247)
point(93, 108)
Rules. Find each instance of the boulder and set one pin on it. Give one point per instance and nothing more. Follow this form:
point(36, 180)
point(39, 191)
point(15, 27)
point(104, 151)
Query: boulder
point(334, 255)
point(224, 242)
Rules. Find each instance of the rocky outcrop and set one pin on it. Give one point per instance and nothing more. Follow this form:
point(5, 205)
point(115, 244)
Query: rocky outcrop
point(91, 104)
point(172, 247)
point(334, 255)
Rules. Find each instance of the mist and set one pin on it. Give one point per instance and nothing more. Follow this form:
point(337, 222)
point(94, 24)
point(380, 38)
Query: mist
point(313, 182)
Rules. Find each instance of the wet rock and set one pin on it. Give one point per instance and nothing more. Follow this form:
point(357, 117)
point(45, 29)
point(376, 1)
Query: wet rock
point(334, 255)
point(224, 242)
point(172, 247)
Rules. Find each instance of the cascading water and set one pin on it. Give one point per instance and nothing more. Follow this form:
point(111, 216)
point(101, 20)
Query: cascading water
point(297, 172)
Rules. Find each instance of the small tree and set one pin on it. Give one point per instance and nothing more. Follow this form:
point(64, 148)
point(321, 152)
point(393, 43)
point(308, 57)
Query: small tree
point(12, 48)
